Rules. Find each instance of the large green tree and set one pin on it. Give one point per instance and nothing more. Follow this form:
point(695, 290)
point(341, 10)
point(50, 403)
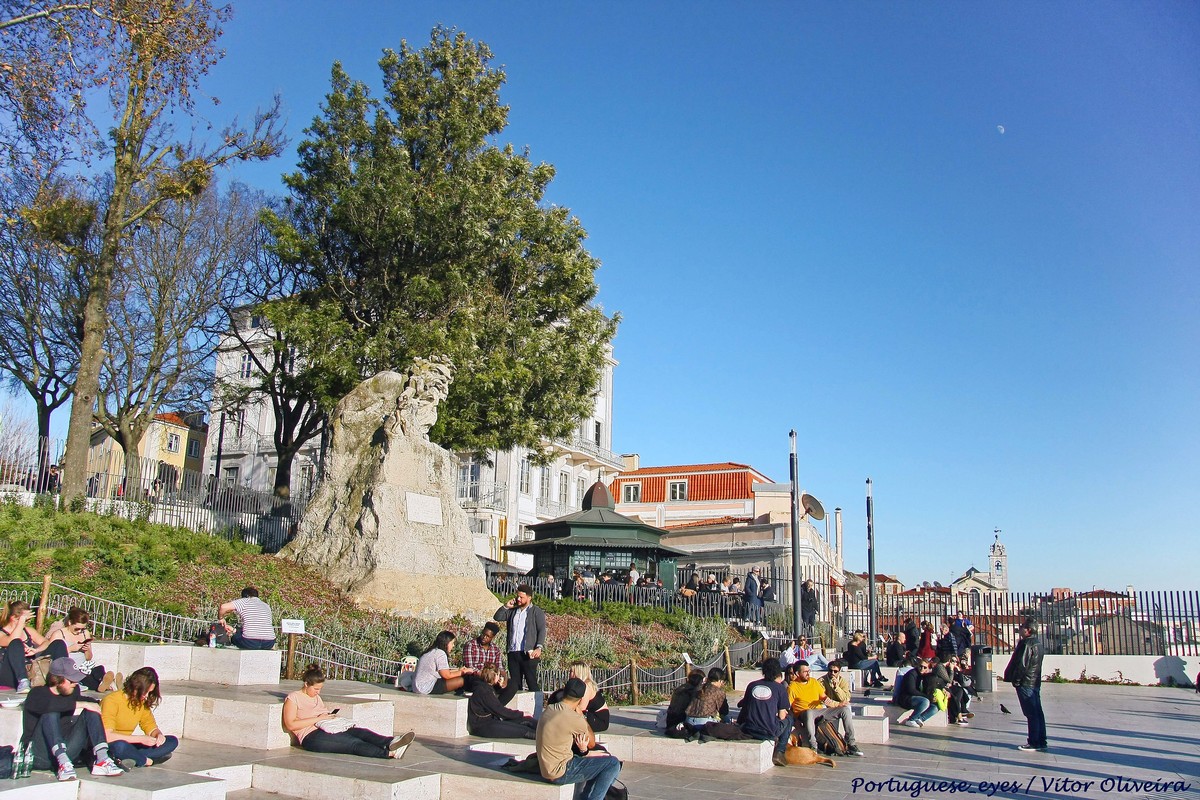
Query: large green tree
point(418, 237)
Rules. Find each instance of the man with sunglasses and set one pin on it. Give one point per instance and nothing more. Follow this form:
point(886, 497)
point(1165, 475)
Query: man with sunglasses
point(811, 697)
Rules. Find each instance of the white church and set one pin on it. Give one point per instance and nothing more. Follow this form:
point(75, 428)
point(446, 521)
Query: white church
point(977, 584)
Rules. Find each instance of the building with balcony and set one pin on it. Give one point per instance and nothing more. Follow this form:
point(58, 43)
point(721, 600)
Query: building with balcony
point(729, 517)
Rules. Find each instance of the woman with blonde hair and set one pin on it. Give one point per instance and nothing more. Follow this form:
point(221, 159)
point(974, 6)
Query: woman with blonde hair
point(596, 709)
point(20, 642)
point(133, 707)
point(487, 716)
point(320, 730)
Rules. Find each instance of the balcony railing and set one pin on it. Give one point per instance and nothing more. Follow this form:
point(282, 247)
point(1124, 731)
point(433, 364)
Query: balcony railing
point(581, 445)
point(483, 496)
point(551, 509)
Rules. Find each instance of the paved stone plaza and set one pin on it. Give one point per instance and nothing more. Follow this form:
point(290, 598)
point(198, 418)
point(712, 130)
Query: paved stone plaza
point(1096, 733)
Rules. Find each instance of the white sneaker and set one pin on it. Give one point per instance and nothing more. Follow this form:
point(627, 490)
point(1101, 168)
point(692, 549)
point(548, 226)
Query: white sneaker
point(912, 723)
point(106, 769)
point(399, 744)
point(23, 686)
point(66, 772)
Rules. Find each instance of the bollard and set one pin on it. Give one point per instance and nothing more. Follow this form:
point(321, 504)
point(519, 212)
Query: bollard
point(41, 612)
point(290, 674)
point(637, 695)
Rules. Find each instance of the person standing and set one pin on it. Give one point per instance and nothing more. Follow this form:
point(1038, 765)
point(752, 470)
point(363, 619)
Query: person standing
point(1024, 672)
point(562, 734)
point(753, 593)
point(525, 637)
point(254, 631)
point(809, 605)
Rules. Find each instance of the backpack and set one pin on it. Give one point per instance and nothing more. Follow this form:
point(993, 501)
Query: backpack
point(828, 740)
point(7, 761)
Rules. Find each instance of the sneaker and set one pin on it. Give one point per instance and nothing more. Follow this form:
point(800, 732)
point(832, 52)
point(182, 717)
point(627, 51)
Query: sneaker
point(106, 683)
point(23, 688)
point(1028, 748)
point(399, 744)
point(778, 760)
point(854, 751)
point(66, 772)
point(912, 723)
point(968, 715)
point(960, 722)
point(160, 760)
point(106, 769)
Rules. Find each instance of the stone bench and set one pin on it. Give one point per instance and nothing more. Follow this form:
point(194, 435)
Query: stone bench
point(315, 778)
point(443, 716)
point(896, 714)
point(646, 747)
point(181, 662)
point(252, 716)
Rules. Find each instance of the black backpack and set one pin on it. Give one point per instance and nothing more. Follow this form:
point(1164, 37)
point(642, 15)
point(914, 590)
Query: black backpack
point(7, 761)
point(829, 741)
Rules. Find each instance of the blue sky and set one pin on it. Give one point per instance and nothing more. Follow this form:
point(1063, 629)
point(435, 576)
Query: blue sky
point(809, 217)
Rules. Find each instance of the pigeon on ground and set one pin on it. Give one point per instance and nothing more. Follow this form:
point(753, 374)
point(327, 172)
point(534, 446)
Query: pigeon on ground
point(1004, 710)
point(867, 693)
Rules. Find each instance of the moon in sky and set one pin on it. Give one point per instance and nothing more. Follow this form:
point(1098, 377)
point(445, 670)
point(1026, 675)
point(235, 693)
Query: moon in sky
point(1001, 129)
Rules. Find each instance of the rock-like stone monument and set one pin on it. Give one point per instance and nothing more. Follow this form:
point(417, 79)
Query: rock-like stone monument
point(384, 523)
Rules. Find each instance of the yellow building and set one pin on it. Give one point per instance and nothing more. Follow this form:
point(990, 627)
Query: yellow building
point(172, 453)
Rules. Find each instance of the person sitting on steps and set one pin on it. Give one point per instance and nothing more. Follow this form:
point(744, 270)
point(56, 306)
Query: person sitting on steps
point(434, 674)
point(21, 642)
point(132, 707)
point(858, 658)
point(63, 728)
point(70, 638)
point(254, 631)
point(306, 717)
point(488, 716)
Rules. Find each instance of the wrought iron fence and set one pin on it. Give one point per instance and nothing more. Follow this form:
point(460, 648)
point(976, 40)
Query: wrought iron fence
point(110, 620)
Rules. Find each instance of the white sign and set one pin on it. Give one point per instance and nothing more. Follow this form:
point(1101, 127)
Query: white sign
point(424, 508)
point(291, 626)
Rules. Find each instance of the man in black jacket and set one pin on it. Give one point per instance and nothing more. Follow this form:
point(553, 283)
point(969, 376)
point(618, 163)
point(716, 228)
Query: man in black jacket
point(1024, 672)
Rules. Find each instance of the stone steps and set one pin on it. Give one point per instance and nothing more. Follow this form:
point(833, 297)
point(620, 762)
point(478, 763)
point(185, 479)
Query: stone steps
point(442, 716)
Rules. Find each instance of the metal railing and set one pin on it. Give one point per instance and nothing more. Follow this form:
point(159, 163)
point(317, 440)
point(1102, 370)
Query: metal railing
point(483, 496)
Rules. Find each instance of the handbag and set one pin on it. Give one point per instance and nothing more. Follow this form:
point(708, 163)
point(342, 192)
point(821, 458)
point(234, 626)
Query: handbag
point(335, 725)
point(37, 670)
point(617, 792)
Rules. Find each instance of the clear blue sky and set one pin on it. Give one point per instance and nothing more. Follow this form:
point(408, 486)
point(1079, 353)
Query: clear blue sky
point(809, 216)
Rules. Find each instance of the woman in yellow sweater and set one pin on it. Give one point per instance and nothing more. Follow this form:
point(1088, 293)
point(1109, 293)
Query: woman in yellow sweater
point(131, 708)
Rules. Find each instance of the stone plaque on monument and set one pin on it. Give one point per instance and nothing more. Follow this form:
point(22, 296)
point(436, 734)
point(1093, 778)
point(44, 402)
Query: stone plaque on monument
point(423, 508)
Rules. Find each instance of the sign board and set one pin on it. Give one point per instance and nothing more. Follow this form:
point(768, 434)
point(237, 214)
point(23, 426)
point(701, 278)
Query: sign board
point(423, 508)
point(291, 626)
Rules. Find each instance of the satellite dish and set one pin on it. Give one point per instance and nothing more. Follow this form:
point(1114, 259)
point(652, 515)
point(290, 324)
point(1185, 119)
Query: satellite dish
point(812, 506)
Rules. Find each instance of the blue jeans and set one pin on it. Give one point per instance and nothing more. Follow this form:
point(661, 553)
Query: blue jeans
point(138, 753)
point(77, 733)
point(1030, 698)
point(594, 774)
point(871, 666)
point(242, 643)
point(922, 709)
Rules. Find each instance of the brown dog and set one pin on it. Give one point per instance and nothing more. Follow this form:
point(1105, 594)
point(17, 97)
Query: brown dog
point(801, 756)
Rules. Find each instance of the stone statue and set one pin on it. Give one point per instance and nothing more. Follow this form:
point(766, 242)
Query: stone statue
point(385, 523)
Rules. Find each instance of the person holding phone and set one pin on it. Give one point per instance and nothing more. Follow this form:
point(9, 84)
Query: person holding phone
point(526, 637)
point(320, 730)
point(20, 642)
point(70, 638)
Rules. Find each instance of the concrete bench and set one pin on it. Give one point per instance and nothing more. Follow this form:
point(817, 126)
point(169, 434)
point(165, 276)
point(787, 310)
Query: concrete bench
point(183, 662)
point(652, 747)
point(253, 715)
point(896, 714)
point(443, 715)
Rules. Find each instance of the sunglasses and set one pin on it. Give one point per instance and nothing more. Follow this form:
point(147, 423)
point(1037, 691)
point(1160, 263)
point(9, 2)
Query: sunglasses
point(79, 629)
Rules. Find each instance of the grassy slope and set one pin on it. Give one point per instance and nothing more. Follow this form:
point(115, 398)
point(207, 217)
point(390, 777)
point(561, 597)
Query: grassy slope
point(182, 572)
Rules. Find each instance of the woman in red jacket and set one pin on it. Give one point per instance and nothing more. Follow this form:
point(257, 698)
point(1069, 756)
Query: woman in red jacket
point(926, 649)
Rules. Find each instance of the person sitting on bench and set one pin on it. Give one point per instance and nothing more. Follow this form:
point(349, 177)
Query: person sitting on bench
point(320, 730)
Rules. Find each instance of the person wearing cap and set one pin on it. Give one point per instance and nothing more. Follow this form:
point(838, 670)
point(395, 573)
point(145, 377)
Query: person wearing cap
point(562, 734)
point(753, 592)
point(62, 726)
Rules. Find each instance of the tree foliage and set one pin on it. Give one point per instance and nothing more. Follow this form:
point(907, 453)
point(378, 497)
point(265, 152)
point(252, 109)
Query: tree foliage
point(150, 55)
point(416, 236)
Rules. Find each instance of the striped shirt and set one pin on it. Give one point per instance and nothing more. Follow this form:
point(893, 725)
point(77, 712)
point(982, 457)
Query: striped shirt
point(254, 618)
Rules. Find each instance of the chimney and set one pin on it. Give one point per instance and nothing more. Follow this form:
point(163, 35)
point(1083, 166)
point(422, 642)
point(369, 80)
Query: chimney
point(631, 461)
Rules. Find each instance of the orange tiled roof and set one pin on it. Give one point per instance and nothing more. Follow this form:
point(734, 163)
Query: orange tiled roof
point(699, 523)
point(721, 481)
point(171, 417)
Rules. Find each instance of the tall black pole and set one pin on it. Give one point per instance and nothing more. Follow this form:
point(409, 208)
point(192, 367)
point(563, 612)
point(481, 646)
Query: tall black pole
point(871, 565)
point(220, 453)
point(795, 472)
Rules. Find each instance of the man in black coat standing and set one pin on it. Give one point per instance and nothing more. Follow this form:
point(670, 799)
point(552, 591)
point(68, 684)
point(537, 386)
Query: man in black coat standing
point(808, 605)
point(1024, 672)
point(525, 637)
